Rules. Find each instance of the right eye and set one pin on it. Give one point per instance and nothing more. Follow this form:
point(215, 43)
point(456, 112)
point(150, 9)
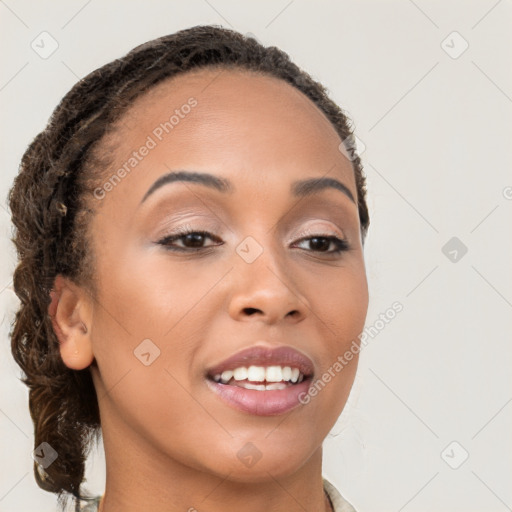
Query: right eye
point(192, 240)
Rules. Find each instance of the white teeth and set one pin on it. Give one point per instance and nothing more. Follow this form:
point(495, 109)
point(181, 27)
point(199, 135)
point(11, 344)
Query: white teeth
point(274, 374)
point(248, 385)
point(256, 374)
point(240, 373)
point(276, 385)
point(226, 376)
point(262, 387)
point(278, 375)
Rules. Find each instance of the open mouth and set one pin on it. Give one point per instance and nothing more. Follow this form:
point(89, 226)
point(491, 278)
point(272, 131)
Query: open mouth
point(260, 378)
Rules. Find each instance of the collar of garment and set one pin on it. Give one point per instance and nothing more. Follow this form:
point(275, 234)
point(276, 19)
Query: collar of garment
point(339, 503)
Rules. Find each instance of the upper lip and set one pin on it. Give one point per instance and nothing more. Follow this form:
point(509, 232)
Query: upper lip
point(265, 356)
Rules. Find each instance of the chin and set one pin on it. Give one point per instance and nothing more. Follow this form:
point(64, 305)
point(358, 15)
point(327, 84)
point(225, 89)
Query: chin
point(262, 459)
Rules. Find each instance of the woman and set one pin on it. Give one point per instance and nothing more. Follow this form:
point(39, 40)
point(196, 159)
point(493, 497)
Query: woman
point(190, 230)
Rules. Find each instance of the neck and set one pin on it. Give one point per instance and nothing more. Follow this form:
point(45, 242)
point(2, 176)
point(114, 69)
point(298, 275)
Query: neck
point(140, 477)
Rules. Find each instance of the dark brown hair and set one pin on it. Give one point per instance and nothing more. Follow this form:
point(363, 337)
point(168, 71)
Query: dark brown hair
point(51, 211)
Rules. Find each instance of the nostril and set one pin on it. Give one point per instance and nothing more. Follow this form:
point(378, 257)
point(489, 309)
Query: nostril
point(250, 311)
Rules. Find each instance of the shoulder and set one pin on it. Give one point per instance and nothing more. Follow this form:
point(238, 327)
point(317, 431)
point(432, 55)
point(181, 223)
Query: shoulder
point(339, 503)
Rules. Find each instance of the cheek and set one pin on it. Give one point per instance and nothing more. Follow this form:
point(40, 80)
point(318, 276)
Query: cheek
point(342, 302)
point(145, 294)
point(161, 412)
point(143, 343)
point(149, 316)
point(341, 306)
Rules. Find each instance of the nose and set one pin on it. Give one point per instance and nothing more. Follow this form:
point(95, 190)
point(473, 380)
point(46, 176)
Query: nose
point(263, 291)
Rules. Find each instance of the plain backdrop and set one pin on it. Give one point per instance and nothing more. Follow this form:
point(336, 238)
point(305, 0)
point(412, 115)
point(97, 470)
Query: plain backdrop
point(428, 85)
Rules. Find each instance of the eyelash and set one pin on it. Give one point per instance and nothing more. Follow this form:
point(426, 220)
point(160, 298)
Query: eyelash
point(340, 244)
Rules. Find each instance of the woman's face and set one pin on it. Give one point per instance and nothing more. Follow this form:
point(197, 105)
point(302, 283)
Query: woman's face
point(170, 313)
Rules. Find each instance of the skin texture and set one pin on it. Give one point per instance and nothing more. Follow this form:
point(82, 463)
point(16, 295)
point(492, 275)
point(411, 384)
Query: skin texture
point(170, 442)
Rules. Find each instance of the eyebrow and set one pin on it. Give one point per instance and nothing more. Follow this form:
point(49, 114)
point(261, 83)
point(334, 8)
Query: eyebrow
point(301, 188)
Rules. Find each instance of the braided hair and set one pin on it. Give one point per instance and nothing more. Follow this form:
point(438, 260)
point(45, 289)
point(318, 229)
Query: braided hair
point(51, 205)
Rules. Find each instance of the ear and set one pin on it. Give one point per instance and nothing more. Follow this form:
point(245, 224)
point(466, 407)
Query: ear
point(71, 313)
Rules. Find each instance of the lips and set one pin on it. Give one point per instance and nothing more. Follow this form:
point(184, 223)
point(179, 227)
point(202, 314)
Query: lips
point(262, 381)
point(263, 356)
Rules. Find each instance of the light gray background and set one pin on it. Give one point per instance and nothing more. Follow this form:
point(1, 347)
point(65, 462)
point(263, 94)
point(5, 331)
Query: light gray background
point(437, 136)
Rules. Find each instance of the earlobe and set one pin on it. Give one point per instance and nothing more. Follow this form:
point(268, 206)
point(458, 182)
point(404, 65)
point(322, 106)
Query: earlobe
point(70, 314)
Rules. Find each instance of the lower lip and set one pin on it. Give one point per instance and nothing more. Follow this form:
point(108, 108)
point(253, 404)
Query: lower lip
point(261, 403)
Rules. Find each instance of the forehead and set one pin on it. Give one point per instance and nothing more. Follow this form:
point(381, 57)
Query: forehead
point(250, 104)
point(219, 87)
point(242, 126)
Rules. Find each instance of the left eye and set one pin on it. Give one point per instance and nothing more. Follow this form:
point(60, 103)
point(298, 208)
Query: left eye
point(321, 243)
point(194, 241)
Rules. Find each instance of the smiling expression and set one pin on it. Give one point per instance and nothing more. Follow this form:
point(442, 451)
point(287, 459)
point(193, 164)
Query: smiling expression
point(238, 229)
